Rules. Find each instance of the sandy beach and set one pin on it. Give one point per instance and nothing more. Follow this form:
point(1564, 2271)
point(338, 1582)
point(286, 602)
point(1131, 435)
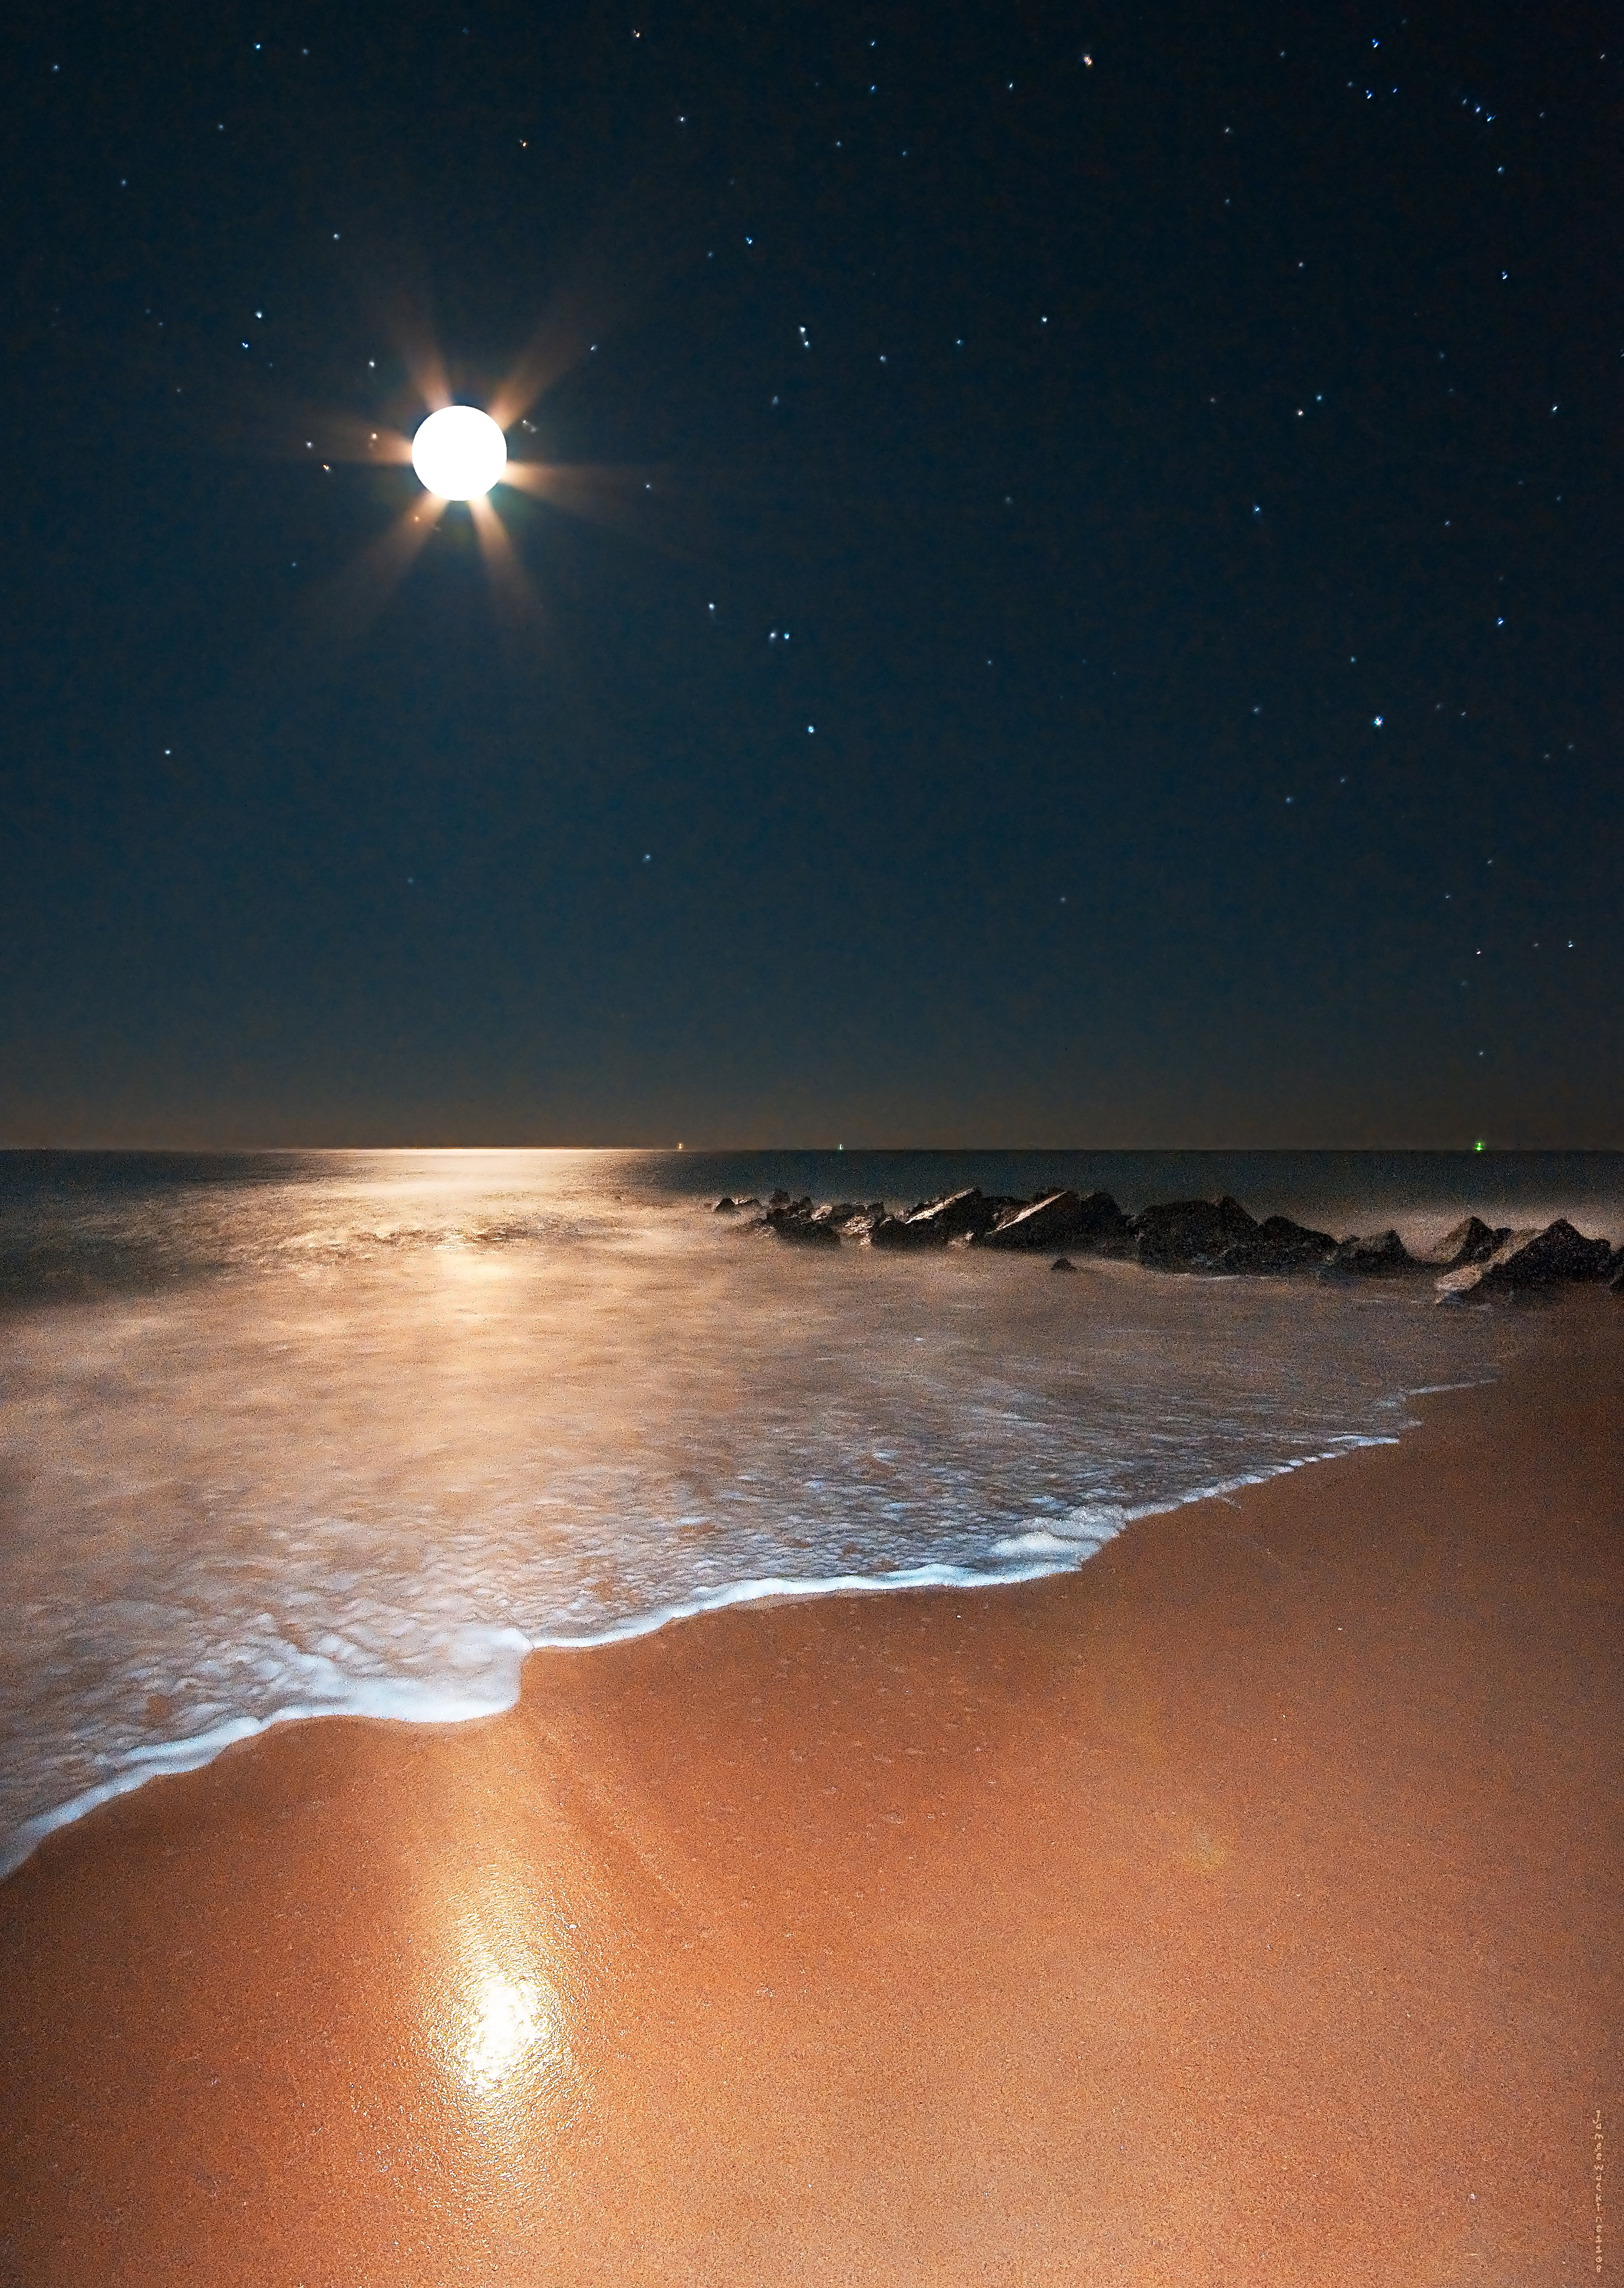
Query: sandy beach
point(1243, 1907)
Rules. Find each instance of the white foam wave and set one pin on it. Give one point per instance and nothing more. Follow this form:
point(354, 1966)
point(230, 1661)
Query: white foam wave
point(490, 1686)
point(406, 1700)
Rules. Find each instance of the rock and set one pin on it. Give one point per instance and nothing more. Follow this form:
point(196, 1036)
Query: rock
point(1379, 1257)
point(1061, 1219)
point(849, 1216)
point(1556, 1256)
point(1064, 1263)
point(961, 1215)
point(1472, 1242)
point(725, 1206)
point(929, 1223)
point(1462, 1280)
point(1190, 1234)
point(810, 1235)
point(1615, 1273)
point(793, 1220)
point(1277, 1244)
point(973, 1214)
point(968, 1214)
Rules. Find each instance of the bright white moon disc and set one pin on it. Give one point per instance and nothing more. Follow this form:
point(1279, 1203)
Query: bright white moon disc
point(459, 452)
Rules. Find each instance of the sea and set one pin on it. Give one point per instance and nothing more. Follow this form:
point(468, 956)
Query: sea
point(296, 1434)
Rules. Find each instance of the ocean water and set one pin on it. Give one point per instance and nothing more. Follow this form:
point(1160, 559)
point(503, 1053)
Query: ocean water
point(290, 1434)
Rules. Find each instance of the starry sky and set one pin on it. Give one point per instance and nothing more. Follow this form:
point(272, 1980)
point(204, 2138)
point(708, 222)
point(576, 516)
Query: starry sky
point(1069, 594)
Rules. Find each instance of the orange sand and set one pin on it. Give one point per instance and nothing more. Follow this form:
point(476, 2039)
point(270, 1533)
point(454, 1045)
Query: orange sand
point(1243, 1909)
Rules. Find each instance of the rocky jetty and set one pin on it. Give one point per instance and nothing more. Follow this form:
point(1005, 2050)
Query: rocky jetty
point(1525, 1261)
point(1277, 1244)
point(969, 1214)
point(1381, 1257)
point(1190, 1234)
point(801, 1224)
point(798, 1222)
point(1060, 1219)
point(1475, 1260)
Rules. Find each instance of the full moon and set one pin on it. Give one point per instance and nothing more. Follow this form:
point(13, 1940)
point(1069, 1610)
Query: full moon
point(459, 452)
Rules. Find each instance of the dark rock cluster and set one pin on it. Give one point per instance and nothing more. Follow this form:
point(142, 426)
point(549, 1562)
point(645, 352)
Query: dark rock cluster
point(1196, 1236)
point(801, 1223)
point(1556, 1256)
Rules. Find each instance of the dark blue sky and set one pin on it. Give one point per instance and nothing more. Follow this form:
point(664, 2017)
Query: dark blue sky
point(1098, 624)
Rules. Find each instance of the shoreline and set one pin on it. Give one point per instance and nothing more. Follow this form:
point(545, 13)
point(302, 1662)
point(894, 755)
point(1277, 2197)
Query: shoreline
point(1239, 1904)
point(172, 1759)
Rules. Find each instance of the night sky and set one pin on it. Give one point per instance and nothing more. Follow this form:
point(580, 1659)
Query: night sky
point(1074, 598)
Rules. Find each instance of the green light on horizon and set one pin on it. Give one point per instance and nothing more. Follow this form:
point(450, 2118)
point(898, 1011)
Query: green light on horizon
point(1478, 1147)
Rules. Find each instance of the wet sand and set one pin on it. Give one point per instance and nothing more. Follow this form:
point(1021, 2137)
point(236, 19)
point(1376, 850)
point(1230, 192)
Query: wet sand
point(1242, 1909)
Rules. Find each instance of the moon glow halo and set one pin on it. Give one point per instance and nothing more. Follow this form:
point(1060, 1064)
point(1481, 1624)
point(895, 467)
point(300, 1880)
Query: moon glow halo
point(459, 453)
